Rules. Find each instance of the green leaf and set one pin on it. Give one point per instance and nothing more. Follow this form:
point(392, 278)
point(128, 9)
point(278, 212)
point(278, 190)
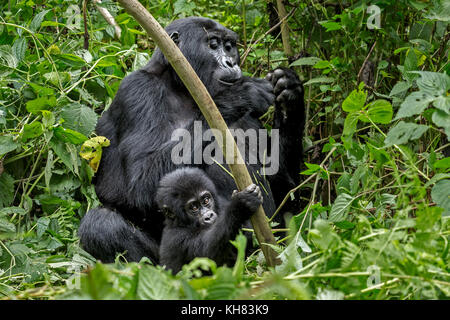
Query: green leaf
point(290, 259)
point(340, 207)
point(154, 285)
point(38, 104)
point(330, 25)
point(410, 60)
point(6, 226)
point(350, 124)
point(71, 60)
point(55, 77)
point(319, 80)
point(322, 64)
point(323, 235)
point(404, 132)
point(379, 111)
point(307, 61)
point(66, 153)
point(19, 48)
point(355, 101)
point(443, 104)
point(312, 168)
point(140, 60)
point(48, 118)
point(433, 83)
point(346, 225)
point(440, 11)
point(6, 190)
point(32, 130)
point(7, 144)
point(68, 135)
point(442, 119)
point(414, 104)
point(442, 164)
point(40, 90)
point(183, 7)
point(8, 58)
point(42, 226)
point(2, 115)
point(441, 195)
point(12, 210)
point(48, 168)
point(240, 244)
point(37, 20)
point(400, 87)
point(79, 118)
point(433, 88)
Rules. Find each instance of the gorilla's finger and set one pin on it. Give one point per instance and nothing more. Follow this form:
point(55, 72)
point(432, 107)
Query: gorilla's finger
point(280, 86)
point(286, 95)
point(278, 73)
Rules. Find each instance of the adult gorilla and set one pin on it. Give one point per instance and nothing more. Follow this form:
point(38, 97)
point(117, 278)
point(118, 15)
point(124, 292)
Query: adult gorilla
point(150, 104)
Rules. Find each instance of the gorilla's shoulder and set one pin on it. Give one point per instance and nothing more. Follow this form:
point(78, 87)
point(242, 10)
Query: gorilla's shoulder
point(141, 79)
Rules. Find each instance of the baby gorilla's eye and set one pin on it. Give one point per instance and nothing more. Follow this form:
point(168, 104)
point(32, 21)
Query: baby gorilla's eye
point(194, 208)
point(206, 200)
point(213, 43)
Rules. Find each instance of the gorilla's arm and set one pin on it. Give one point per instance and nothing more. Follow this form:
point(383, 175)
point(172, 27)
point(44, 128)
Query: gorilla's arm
point(213, 241)
point(248, 96)
point(248, 99)
point(105, 233)
point(289, 118)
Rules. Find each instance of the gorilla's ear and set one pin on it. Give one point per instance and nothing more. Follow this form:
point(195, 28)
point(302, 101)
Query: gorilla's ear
point(167, 212)
point(175, 36)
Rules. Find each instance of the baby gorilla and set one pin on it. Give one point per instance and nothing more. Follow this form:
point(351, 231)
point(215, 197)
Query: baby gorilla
point(198, 222)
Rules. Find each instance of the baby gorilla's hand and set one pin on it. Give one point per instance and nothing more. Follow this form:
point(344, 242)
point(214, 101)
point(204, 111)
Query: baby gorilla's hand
point(250, 198)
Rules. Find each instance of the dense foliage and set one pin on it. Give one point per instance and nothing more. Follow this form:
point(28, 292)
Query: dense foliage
point(374, 207)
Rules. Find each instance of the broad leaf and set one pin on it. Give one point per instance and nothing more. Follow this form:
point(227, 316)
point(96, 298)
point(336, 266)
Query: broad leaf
point(355, 101)
point(340, 207)
point(404, 132)
point(7, 144)
point(441, 195)
point(379, 111)
point(79, 118)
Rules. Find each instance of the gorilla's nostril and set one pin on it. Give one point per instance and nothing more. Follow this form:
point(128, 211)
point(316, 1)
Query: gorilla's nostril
point(228, 62)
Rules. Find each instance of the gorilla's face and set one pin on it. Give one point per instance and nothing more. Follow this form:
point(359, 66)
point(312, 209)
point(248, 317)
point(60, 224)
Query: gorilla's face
point(222, 46)
point(211, 50)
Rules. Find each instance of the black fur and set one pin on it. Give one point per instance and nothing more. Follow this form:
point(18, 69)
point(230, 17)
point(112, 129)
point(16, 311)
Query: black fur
point(185, 236)
point(148, 106)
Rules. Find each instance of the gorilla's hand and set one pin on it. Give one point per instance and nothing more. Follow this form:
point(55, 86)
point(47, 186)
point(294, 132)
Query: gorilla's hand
point(287, 87)
point(248, 199)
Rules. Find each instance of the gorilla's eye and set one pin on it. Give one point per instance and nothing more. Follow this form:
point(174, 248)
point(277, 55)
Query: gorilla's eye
point(228, 46)
point(213, 43)
point(206, 200)
point(194, 208)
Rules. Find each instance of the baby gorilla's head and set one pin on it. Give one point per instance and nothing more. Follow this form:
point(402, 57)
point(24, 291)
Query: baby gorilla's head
point(187, 197)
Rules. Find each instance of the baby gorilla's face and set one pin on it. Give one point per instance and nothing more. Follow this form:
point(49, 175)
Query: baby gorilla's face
point(201, 208)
